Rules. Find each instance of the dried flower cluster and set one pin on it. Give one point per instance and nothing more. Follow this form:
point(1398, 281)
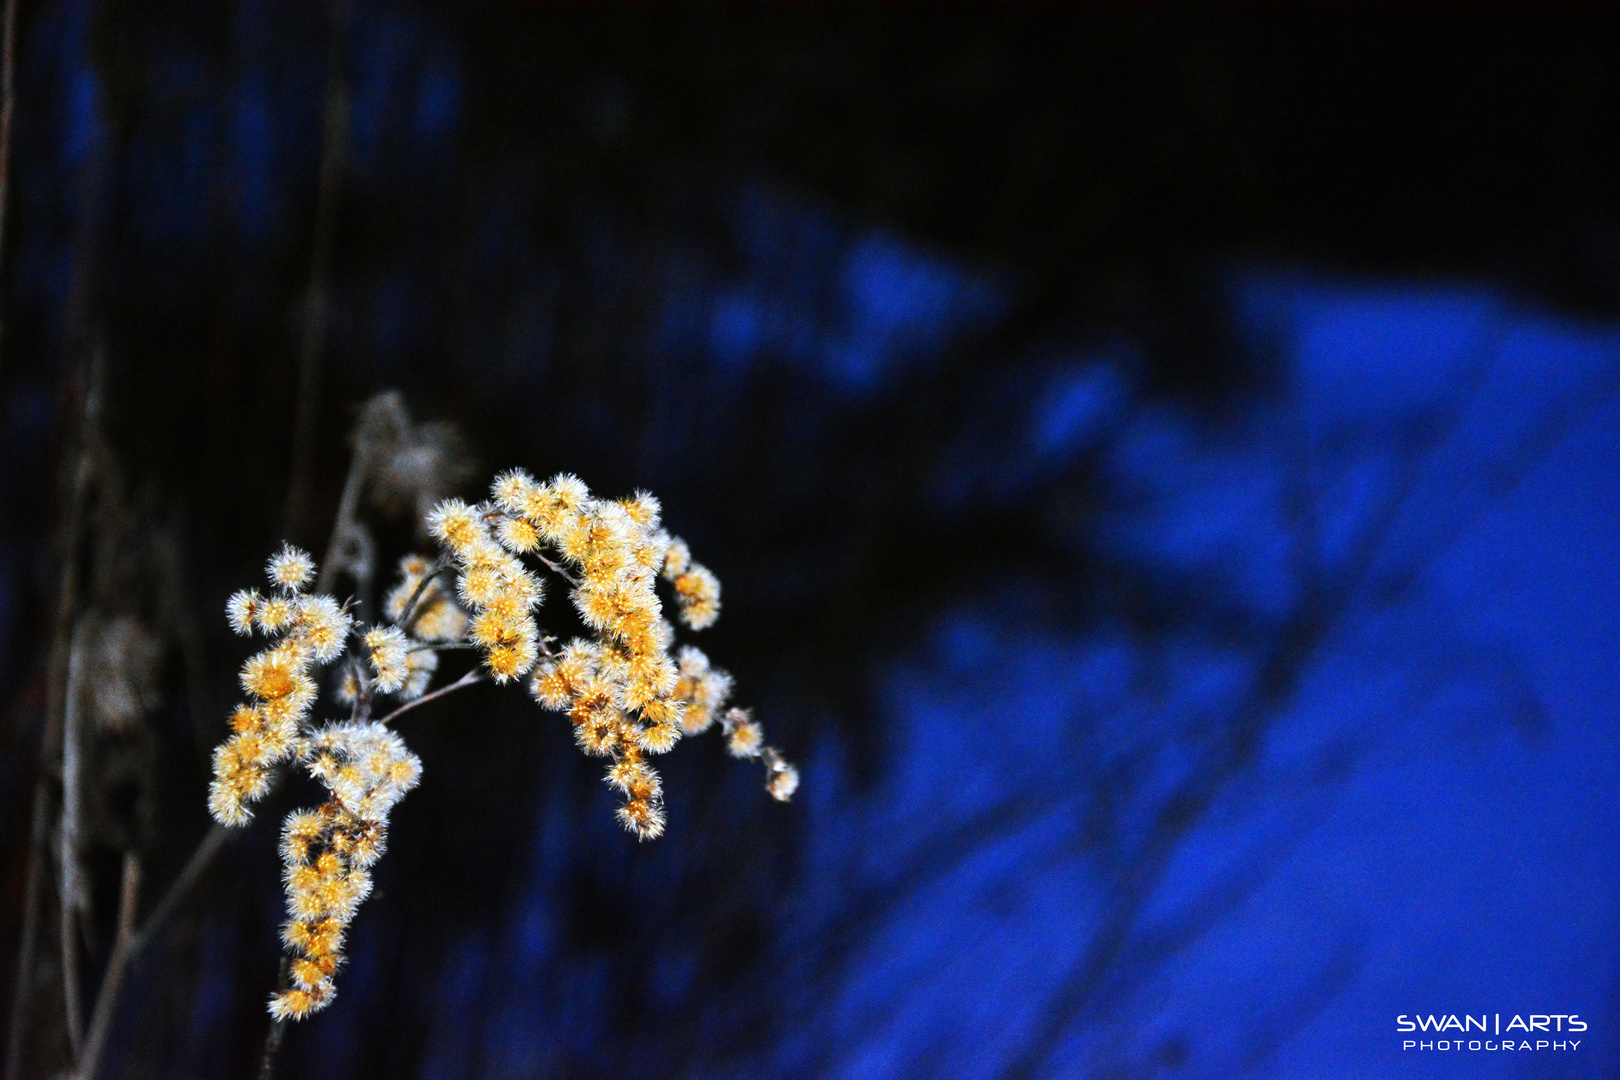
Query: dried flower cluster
point(494, 585)
point(628, 695)
point(621, 688)
point(325, 853)
point(310, 630)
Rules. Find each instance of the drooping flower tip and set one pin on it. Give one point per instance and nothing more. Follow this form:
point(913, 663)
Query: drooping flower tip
point(298, 1003)
point(782, 782)
point(744, 739)
point(290, 568)
point(677, 559)
point(226, 804)
point(643, 817)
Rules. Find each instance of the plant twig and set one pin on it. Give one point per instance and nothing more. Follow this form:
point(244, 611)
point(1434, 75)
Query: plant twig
point(71, 897)
point(112, 980)
point(344, 524)
point(557, 568)
point(130, 941)
point(85, 382)
point(272, 1043)
point(471, 678)
point(211, 845)
point(317, 300)
point(30, 925)
point(407, 618)
point(361, 712)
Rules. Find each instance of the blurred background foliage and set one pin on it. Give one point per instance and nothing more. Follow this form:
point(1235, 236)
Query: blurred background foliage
point(1083, 413)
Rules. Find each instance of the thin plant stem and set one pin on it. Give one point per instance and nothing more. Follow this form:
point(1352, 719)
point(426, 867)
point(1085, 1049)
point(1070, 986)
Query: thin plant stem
point(30, 929)
point(70, 978)
point(558, 569)
point(112, 980)
point(131, 942)
point(272, 1043)
point(470, 679)
point(210, 846)
point(318, 301)
point(344, 523)
point(85, 383)
point(407, 617)
point(362, 700)
point(71, 892)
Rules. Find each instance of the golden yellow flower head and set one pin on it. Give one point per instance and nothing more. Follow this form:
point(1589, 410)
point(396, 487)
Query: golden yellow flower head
point(512, 490)
point(274, 614)
point(643, 509)
point(290, 568)
point(517, 534)
point(322, 624)
point(387, 647)
point(569, 491)
point(455, 524)
point(743, 737)
point(697, 594)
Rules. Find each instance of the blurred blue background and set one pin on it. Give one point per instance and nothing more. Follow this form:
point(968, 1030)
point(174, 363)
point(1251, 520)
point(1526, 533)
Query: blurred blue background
point(1161, 467)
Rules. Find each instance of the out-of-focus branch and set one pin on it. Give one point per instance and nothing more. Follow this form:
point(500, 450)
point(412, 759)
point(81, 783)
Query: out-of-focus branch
point(318, 298)
point(112, 979)
point(72, 898)
point(22, 991)
point(346, 522)
point(210, 846)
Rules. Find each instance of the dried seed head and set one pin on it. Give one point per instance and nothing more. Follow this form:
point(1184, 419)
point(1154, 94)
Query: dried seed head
point(455, 524)
point(290, 568)
point(242, 609)
point(512, 490)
